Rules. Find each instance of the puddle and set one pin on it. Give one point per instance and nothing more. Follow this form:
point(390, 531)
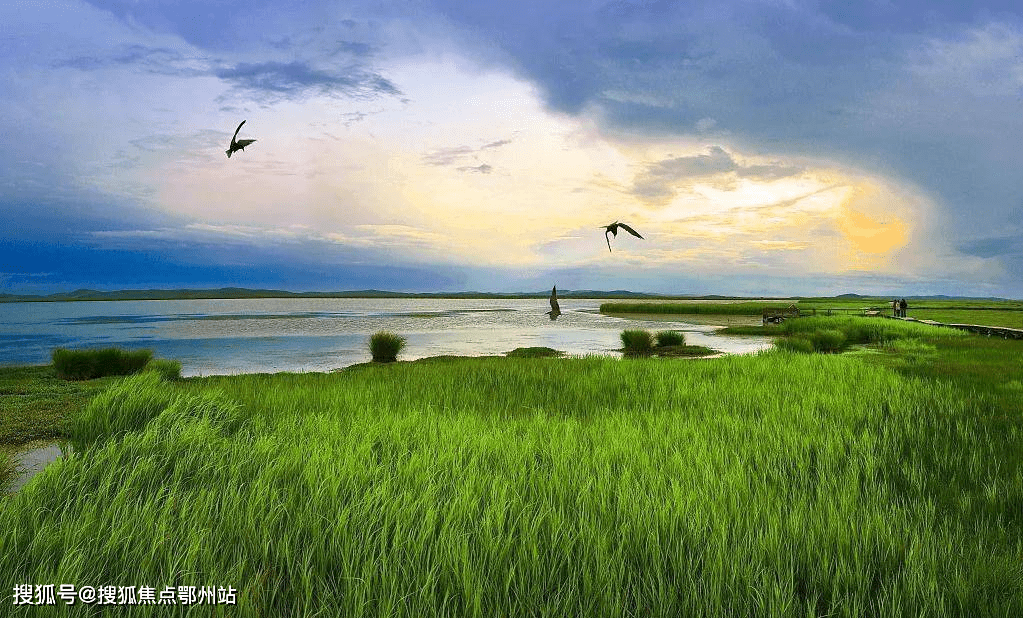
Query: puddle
point(31, 462)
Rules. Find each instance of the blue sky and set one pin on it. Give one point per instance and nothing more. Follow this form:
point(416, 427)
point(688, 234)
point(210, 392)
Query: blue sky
point(779, 147)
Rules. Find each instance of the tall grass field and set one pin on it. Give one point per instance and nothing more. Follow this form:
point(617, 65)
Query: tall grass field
point(781, 484)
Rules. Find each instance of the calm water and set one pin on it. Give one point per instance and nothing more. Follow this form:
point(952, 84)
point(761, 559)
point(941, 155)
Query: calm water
point(272, 334)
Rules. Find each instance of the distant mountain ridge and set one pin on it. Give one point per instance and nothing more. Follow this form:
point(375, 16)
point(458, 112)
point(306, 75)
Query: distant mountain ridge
point(234, 292)
point(231, 292)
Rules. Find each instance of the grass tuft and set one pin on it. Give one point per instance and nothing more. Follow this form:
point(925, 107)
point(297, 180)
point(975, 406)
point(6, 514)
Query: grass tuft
point(91, 364)
point(667, 338)
point(637, 341)
point(385, 346)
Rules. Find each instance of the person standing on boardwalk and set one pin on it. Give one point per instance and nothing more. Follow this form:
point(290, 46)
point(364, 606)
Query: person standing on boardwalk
point(895, 308)
point(902, 307)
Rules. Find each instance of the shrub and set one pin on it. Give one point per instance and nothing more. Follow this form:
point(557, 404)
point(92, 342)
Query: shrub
point(828, 340)
point(795, 344)
point(90, 364)
point(637, 341)
point(168, 369)
point(385, 346)
point(670, 337)
point(125, 406)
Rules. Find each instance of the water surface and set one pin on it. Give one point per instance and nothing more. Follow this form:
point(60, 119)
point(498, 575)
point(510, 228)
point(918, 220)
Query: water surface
point(320, 334)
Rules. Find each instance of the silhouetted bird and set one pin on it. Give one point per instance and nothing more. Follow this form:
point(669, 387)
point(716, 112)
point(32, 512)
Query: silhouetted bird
point(555, 308)
point(237, 145)
point(613, 230)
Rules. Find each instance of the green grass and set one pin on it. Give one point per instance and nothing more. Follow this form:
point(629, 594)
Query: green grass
point(91, 364)
point(750, 308)
point(168, 369)
point(385, 346)
point(637, 341)
point(1010, 319)
point(127, 405)
point(583, 487)
point(35, 404)
point(831, 334)
point(534, 352)
point(7, 471)
point(795, 344)
point(671, 351)
point(954, 311)
point(670, 338)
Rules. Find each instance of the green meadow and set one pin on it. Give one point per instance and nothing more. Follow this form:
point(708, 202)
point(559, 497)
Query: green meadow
point(1008, 313)
point(882, 481)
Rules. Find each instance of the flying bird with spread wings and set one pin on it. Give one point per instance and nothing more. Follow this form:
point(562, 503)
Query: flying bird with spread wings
point(237, 144)
point(613, 230)
point(555, 308)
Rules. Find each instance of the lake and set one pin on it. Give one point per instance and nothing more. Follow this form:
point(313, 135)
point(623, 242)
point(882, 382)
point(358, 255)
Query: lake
point(320, 334)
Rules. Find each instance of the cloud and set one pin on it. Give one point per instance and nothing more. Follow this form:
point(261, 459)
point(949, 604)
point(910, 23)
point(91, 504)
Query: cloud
point(156, 60)
point(996, 246)
point(479, 169)
point(274, 80)
point(924, 94)
point(458, 154)
point(660, 180)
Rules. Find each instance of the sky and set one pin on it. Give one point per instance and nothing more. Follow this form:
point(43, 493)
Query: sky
point(780, 147)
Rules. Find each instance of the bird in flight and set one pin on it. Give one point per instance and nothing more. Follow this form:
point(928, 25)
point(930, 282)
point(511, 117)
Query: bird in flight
point(613, 230)
point(236, 144)
point(555, 308)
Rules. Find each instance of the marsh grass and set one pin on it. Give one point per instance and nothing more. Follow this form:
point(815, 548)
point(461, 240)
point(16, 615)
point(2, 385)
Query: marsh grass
point(168, 369)
point(667, 338)
point(750, 308)
point(535, 352)
point(637, 341)
point(795, 343)
point(91, 364)
point(385, 346)
point(836, 334)
point(506, 487)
